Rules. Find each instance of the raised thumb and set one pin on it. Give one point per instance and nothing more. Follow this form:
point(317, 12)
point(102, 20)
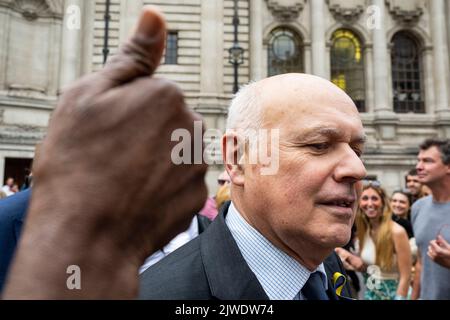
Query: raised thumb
point(141, 54)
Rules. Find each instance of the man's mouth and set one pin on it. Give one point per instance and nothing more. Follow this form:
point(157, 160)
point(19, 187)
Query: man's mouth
point(339, 205)
point(343, 201)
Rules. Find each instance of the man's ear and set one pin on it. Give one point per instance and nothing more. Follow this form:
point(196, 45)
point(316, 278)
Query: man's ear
point(232, 153)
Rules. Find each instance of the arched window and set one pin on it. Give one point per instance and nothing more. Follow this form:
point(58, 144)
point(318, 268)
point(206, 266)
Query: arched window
point(285, 52)
point(347, 65)
point(406, 74)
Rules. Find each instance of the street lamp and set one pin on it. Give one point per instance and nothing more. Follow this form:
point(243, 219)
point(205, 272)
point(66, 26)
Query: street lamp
point(106, 38)
point(236, 52)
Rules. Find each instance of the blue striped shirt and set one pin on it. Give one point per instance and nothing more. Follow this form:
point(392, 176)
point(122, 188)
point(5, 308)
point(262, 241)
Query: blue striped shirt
point(280, 275)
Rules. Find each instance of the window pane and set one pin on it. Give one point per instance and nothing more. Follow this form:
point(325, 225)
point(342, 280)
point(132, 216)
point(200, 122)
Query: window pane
point(347, 66)
point(285, 52)
point(171, 55)
point(406, 74)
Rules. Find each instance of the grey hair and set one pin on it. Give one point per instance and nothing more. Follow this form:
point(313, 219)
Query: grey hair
point(245, 112)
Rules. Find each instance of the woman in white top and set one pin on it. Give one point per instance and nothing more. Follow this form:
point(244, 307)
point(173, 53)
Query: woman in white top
point(383, 251)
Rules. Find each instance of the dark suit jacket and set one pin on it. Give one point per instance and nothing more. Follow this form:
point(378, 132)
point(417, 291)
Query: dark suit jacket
point(12, 214)
point(212, 267)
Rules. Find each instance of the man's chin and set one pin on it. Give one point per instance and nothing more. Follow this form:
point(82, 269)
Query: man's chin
point(339, 237)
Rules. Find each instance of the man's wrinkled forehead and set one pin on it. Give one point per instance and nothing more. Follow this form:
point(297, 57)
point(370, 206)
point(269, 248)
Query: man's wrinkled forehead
point(331, 133)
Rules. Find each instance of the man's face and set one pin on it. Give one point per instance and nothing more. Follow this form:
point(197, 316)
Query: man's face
point(413, 184)
point(430, 168)
point(10, 182)
point(311, 201)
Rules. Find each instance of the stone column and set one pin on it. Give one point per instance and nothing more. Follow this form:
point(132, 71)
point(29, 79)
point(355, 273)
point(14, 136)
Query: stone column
point(211, 102)
point(308, 57)
point(88, 37)
point(4, 33)
point(428, 85)
point(447, 3)
point(380, 60)
point(71, 42)
point(385, 119)
point(130, 11)
point(211, 72)
point(256, 40)
point(368, 60)
point(440, 67)
point(327, 60)
point(318, 38)
point(440, 55)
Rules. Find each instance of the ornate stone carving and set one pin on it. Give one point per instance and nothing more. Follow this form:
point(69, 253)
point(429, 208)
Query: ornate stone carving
point(33, 9)
point(23, 91)
point(56, 6)
point(21, 134)
point(406, 12)
point(346, 12)
point(285, 10)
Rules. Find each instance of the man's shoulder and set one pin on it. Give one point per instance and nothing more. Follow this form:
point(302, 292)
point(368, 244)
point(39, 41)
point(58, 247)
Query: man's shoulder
point(419, 207)
point(15, 206)
point(422, 201)
point(179, 276)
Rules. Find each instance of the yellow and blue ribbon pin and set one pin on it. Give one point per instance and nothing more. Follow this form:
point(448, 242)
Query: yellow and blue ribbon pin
point(339, 281)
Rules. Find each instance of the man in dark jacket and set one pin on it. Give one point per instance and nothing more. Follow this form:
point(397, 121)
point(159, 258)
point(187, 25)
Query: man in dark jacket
point(12, 214)
point(288, 210)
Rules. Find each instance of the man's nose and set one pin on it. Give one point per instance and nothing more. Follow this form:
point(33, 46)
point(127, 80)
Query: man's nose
point(419, 165)
point(350, 167)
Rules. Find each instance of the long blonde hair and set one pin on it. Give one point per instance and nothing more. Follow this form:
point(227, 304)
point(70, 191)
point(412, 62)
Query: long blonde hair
point(384, 244)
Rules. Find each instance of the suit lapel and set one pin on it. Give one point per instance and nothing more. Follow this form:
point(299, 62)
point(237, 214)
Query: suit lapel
point(229, 276)
point(330, 291)
point(331, 266)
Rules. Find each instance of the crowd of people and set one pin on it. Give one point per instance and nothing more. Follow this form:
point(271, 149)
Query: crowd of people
point(11, 187)
point(140, 226)
point(397, 235)
point(383, 247)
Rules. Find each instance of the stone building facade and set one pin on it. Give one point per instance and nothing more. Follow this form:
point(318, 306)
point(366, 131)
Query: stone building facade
point(391, 56)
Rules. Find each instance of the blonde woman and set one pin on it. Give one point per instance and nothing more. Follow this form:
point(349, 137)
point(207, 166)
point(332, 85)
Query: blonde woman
point(384, 254)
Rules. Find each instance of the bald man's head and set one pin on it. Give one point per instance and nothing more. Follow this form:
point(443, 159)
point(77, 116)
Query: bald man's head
point(267, 100)
point(306, 206)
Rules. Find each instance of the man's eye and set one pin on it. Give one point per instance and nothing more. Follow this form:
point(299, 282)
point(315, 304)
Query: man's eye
point(320, 146)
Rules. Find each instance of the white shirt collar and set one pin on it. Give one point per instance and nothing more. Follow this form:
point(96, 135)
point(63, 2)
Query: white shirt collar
point(280, 275)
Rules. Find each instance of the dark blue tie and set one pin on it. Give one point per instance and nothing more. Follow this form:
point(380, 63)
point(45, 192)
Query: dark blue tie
point(314, 288)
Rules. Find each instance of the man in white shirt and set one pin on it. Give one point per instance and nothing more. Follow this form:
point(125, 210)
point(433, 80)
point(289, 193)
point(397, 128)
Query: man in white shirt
point(197, 226)
point(7, 188)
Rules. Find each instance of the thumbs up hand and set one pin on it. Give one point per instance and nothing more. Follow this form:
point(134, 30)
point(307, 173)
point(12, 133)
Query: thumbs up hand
point(106, 193)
